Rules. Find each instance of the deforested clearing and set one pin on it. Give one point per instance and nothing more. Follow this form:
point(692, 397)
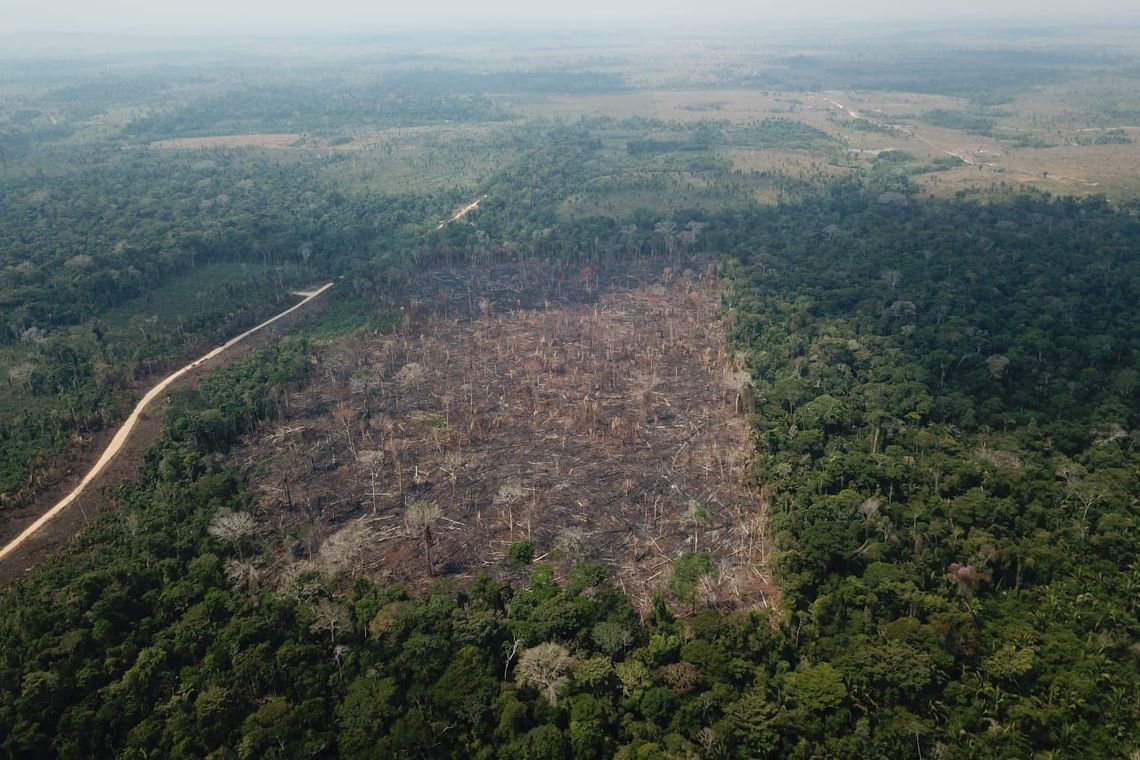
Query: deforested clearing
point(606, 425)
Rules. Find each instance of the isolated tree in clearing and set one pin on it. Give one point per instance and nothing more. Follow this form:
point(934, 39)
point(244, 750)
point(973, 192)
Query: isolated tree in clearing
point(419, 516)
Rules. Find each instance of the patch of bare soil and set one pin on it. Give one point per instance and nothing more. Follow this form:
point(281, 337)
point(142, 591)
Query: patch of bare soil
point(603, 427)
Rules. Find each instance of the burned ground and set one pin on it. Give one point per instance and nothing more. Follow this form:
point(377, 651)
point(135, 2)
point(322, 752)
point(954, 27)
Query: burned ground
point(602, 425)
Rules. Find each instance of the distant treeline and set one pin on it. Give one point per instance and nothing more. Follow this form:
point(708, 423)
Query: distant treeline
point(986, 77)
point(315, 109)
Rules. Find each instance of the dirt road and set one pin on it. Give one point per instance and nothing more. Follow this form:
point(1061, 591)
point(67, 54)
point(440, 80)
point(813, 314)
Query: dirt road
point(124, 432)
point(463, 211)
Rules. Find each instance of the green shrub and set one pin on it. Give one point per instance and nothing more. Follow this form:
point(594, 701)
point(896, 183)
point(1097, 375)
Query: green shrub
point(521, 553)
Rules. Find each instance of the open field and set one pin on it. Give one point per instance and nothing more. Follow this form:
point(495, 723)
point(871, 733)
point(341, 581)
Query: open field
point(424, 159)
point(1039, 139)
point(1034, 141)
point(735, 106)
point(394, 160)
point(604, 426)
point(287, 140)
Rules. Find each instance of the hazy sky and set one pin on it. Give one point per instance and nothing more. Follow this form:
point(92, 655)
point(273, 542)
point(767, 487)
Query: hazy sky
point(243, 16)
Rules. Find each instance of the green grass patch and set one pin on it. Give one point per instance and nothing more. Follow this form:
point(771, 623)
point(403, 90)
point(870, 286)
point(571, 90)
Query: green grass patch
point(967, 121)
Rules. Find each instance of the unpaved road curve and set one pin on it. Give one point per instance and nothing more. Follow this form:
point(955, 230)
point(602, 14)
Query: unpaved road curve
point(125, 431)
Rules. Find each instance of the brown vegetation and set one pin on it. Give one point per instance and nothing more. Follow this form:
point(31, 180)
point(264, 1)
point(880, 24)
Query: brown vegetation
point(596, 430)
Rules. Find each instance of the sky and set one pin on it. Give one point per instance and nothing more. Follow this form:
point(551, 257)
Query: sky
point(293, 16)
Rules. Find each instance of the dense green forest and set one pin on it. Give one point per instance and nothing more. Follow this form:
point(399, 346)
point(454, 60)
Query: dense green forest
point(944, 394)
